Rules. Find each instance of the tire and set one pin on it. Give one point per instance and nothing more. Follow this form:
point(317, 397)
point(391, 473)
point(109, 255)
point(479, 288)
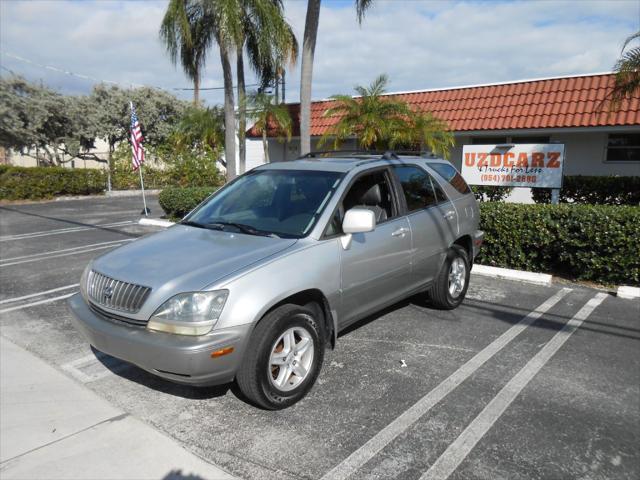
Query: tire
point(272, 386)
point(442, 294)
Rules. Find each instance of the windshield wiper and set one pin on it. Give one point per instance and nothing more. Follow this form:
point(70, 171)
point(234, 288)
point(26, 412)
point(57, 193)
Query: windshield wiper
point(191, 223)
point(243, 228)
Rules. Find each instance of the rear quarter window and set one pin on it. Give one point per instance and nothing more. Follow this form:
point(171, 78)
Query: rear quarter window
point(451, 175)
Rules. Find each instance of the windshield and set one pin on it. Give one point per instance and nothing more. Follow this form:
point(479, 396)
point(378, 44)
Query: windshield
point(283, 203)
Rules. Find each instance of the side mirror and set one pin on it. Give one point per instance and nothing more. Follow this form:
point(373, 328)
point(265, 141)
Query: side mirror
point(358, 220)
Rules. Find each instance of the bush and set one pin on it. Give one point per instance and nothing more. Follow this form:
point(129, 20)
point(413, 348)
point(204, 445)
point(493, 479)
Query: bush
point(583, 242)
point(594, 191)
point(184, 169)
point(177, 202)
point(18, 183)
point(492, 194)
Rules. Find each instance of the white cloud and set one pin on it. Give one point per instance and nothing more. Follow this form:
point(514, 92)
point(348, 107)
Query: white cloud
point(420, 44)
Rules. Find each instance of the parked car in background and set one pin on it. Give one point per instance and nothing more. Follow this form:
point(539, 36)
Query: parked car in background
point(258, 280)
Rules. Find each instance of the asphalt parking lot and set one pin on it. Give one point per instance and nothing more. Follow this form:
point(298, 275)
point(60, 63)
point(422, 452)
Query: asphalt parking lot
point(519, 382)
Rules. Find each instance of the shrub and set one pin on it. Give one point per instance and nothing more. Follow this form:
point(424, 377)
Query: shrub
point(583, 242)
point(17, 183)
point(177, 202)
point(492, 194)
point(594, 191)
point(184, 169)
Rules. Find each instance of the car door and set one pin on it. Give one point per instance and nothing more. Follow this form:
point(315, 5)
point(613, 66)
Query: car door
point(431, 218)
point(375, 267)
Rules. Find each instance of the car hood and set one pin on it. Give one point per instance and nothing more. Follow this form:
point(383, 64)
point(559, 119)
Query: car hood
point(183, 258)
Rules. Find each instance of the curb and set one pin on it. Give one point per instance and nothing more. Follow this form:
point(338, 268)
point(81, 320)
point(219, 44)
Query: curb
point(130, 193)
point(628, 292)
point(155, 222)
point(507, 273)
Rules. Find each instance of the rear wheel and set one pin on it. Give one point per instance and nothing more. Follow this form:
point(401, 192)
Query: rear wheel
point(283, 358)
point(450, 286)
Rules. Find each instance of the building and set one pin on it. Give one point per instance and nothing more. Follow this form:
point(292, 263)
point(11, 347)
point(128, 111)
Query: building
point(566, 110)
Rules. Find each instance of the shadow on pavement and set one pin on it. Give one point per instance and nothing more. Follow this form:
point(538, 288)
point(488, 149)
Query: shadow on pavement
point(73, 222)
point(178, 475)
point(138, 375)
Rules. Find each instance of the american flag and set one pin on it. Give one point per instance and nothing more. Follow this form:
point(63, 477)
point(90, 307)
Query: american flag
point(136, 140)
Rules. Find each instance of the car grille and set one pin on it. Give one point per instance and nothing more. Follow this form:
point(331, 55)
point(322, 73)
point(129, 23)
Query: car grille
point(116, 294)
point(117, 318)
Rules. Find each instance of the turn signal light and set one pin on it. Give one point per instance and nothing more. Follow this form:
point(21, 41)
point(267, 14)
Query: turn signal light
point(221, 352)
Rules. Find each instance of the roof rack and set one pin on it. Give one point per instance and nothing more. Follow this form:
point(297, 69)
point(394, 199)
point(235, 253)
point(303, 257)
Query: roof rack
point(386, 155)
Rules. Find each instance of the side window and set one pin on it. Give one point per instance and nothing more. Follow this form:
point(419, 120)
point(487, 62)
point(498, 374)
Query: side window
point(419, 190)
point(371, 191)
point(452, 176)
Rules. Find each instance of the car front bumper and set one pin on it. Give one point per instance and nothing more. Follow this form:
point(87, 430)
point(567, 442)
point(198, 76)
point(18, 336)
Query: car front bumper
point(179, 358)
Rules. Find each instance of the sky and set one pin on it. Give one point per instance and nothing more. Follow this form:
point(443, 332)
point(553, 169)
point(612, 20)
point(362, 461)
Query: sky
point(420, 44)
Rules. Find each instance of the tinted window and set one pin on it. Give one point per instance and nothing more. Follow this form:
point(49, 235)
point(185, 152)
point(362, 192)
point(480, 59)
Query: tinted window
point(623, 147)
point(418, 187)
point(452, 176)
point(284, 202)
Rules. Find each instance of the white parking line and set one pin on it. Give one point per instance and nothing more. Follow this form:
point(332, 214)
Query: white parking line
point(39, 294)
point(385, 436)
point(60, 231)
point(90, 362)
point(44, 254)
point(70, 251)
point(39, 302)
point(460, 448)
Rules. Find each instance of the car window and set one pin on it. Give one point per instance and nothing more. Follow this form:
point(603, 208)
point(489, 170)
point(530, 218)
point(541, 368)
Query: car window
point(451, 175)
point(371, 191)
point(282, 202)
point(419, 189)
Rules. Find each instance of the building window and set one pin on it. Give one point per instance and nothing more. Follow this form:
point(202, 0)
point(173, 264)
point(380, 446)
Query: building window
point(623, 147)
point(536, 140)
point(489, 140)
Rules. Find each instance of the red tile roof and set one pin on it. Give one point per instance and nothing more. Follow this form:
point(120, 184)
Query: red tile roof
point(548, 103)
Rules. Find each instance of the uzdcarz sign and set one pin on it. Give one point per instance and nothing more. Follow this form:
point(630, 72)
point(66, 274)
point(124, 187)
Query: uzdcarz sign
point(520, 165)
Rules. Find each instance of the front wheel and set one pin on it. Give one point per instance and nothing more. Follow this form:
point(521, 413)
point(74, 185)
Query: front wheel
point(450, 286)
point(283, 358)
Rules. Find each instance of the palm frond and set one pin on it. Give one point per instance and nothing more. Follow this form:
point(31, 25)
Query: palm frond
point(361, 8)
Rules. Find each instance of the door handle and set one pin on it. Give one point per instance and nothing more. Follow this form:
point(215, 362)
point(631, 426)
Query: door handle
point(400, 232)
point(449, 215)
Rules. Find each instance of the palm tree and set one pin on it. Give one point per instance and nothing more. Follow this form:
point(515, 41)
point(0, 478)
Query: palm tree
point(371, 117)
point(269, 43)
point(627, 69)
point(199, 129)
point(187, 38)
point(269, 115)
point(312, 21)
point(381, 122)
point(426, 132)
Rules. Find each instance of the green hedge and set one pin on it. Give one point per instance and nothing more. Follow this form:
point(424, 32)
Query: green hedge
point(177, 202)
point(594, 191)
point(491, 194)
point(584, 242)
point(17, 183)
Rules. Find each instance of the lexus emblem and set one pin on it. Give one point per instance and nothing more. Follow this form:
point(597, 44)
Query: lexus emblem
point(107, 292)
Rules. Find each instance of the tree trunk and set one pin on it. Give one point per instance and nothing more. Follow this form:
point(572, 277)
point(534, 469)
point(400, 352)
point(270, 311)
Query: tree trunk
point(265, 145)
point(242, 113)
point(306, 75)
point(229, 114)
point(196, 90)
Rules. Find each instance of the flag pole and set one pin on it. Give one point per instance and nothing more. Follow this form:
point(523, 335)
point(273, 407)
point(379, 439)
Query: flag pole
point(144, 200)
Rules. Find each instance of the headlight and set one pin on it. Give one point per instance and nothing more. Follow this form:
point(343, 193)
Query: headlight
point(189, 313)
point(83, 281)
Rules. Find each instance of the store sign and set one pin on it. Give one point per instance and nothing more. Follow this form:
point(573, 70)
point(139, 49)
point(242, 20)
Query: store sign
point(521, 165)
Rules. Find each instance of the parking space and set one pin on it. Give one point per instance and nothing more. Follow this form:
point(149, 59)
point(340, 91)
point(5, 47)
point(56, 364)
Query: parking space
point(521, 381)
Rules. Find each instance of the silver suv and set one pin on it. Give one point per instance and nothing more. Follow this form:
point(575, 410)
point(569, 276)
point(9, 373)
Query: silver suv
point(260, 278)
